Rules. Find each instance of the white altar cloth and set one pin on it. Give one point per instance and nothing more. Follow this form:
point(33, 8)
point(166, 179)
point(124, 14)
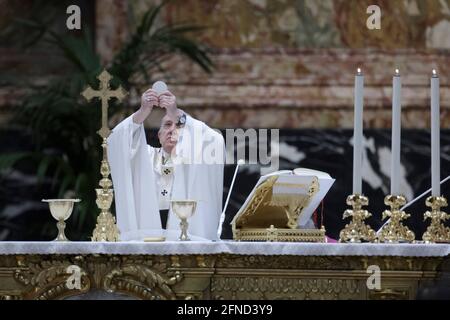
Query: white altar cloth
point(225, 247)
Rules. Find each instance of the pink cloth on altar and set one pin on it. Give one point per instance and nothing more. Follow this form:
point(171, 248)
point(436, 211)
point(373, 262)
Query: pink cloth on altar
point(331, 240)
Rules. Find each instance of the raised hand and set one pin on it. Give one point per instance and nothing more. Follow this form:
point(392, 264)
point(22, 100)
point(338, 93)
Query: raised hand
point(168, 101)
point(149, 100)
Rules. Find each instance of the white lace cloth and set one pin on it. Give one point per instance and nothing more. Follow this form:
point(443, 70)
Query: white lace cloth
point(231, 247)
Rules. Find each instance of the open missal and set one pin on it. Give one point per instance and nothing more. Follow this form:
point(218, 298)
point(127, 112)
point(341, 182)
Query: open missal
point(280, 206)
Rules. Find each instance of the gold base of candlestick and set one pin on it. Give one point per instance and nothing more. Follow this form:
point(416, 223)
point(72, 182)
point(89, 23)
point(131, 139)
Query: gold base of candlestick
point(394, 231)
point(357, 230)
point(436, 231)
point(106, 228)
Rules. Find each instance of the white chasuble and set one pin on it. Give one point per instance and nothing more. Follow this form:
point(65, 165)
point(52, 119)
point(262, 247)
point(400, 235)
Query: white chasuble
point(139, 180)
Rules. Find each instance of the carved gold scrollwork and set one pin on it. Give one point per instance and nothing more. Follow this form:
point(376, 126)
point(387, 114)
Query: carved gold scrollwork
point(49, 280)
point(285, 262)
point(135, 276)
point(261, 192)
point(223, 276)
point(142, 281)
point(389, 294)
point(283, 288)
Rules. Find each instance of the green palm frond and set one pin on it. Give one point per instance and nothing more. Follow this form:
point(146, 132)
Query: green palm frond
point(9, 160)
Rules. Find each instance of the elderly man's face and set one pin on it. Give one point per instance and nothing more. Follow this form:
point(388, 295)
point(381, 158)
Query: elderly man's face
point(168, 133)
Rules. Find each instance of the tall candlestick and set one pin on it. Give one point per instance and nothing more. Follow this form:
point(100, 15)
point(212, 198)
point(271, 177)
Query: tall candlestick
point(435, 137)
point(358, 132)
point(396, 132)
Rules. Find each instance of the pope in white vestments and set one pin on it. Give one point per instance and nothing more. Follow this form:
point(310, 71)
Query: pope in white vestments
point(188, 166)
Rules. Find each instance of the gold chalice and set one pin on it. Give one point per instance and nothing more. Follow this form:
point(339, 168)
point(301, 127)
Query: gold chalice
point(184, 209)
point(61, 209)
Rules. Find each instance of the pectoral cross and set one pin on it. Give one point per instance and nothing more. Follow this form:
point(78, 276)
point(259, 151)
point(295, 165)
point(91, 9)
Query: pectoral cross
point(104, 93)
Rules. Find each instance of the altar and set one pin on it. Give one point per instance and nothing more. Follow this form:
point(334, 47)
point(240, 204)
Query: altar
point(217, 270)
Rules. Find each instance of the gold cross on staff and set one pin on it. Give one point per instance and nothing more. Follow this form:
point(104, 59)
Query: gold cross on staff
point(104, 93)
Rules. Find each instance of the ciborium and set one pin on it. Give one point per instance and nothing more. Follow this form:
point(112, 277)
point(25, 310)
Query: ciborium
point(61, 209)
point(184, 209)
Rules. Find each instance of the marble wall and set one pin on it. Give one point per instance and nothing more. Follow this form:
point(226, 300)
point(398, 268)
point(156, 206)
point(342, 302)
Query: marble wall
point(290, 63)
point(279, 63)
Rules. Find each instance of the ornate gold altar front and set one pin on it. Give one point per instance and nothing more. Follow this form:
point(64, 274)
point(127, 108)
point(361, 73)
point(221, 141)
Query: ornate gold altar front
point(215, 276)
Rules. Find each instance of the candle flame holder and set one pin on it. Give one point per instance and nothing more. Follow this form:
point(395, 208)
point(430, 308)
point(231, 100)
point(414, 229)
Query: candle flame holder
point(394, 231)
point(357, 230)
point(436, 231)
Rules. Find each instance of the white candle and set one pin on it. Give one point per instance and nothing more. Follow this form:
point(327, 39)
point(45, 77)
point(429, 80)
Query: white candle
point(435, 143)
point(358, 132)
point(396, 132)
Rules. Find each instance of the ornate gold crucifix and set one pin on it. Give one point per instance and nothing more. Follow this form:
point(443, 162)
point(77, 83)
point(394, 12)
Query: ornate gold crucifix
point(104, 93)
point(106, 229)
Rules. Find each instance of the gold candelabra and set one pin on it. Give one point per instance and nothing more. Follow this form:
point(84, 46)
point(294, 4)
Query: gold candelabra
point(357, 230)
point(106, 228)
point(436, 231)
point(394, 231)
